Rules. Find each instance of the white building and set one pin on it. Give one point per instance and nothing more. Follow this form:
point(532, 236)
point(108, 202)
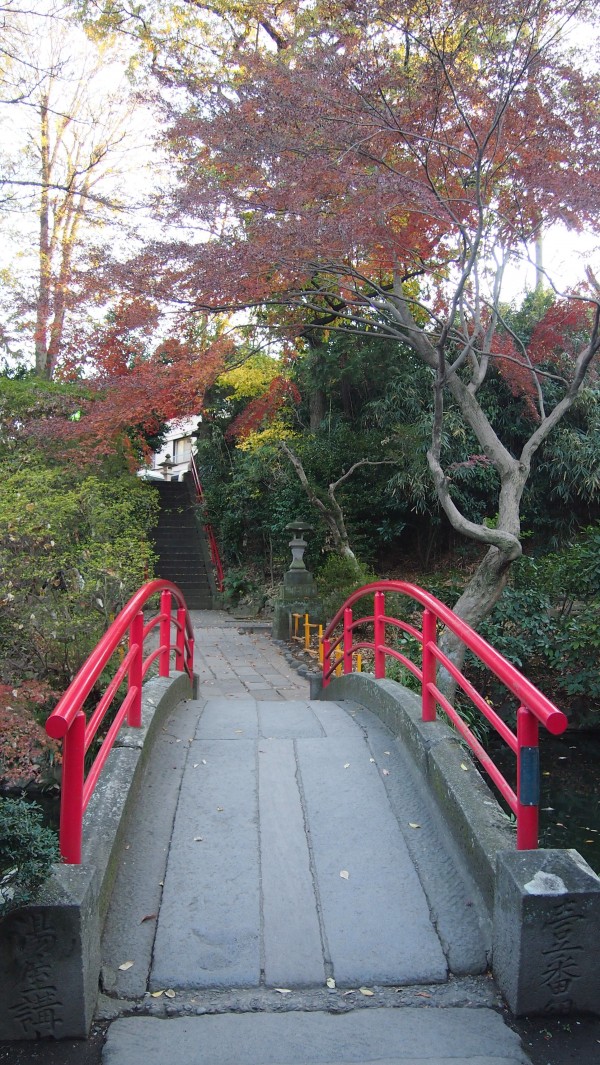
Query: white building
point(177, 450)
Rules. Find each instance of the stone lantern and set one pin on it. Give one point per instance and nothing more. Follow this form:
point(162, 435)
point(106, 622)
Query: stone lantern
point(298, 544)
point(299, 592)
point(166, 467)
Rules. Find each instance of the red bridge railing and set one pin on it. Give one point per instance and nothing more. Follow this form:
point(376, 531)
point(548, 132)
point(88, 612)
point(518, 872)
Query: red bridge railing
point(68, 719)
point(534, 708)
point(209, 532)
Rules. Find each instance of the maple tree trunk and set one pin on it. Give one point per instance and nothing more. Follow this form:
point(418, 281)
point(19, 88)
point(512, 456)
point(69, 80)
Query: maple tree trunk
point(474, 604)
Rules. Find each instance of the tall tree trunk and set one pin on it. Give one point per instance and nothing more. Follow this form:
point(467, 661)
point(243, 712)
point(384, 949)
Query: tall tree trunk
point(317, 408)
point(45, 265)
point(540, 279)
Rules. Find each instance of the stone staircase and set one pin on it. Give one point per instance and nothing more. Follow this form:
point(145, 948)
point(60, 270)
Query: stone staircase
point(179, 544)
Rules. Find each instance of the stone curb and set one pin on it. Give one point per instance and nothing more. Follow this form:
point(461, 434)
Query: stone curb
point(50, 949)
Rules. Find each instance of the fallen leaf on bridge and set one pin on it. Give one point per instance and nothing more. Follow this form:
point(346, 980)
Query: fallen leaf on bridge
point(330, 981)
point(125, 966)
point(465, 767)
point(413, 824)
point(349, 993)
point(157, 994)
point(345, 875)
point(347, 765)
point(365, 991)
point(283, 990)
point(170, 993)
point(149, 917)
point(385, 772)
point(198, 839)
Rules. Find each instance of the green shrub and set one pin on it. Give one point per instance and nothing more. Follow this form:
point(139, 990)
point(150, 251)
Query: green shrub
point(73, 549)
point(27, 851)
point(547, 624)
point(238, 585)
point(337, 579)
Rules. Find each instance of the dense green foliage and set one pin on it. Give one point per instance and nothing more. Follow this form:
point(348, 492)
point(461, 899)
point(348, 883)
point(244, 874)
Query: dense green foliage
point(74, 541)
point(27, 851)
point(548, 624)
point(73, 549)
point(358, 398)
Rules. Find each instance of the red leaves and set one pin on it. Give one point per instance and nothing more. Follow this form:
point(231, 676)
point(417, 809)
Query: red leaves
point(554, 346)
point(134, 390)
point(27, 754)
point(262, 410)
point(558, 337)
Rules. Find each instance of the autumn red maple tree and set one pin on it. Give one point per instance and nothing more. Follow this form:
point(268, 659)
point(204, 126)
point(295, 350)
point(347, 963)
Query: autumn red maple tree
point(129, 385)
point(380, 166)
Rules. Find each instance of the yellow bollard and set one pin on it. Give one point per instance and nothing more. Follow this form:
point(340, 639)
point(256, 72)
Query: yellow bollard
point(321, 644)
point(358, 662)
point(306, 633)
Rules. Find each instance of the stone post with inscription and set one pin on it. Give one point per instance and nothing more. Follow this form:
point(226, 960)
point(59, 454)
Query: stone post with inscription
point(50, 959)
point(546, 932)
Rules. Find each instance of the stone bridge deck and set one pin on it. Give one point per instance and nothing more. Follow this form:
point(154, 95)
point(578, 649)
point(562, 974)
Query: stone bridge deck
point(288, 893)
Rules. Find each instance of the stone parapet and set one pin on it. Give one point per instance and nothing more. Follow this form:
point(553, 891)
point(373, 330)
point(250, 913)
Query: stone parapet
point(50, 949)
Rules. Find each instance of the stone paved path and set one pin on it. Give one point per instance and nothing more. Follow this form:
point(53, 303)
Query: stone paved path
point(286, 861)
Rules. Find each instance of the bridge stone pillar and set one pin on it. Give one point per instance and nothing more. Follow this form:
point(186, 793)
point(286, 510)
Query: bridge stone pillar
point(546, 932)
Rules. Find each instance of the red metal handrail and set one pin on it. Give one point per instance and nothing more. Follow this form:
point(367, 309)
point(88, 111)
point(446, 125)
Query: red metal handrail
point(68, 721)
point(534, 709)
point(208, 529)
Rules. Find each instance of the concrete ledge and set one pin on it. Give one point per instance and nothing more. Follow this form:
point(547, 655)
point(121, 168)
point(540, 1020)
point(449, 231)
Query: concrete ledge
point(50, 950)
point(471, 812)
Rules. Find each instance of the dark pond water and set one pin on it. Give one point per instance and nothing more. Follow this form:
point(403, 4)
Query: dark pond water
point(570, 797)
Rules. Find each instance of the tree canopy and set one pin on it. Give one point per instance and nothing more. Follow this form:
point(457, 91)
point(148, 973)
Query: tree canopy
point(378, 167)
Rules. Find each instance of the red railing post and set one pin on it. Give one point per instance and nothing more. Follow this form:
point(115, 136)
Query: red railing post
point(429, 633)
point(528, 779)
point(165, 634)
point(189, 662)
point(71, 806)
point(348, 639)
point(379, 633)
point(136, 638)
point(326, 662)
point(180, 640)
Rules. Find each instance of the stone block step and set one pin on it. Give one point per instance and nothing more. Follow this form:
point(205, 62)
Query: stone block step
point(407, 1036)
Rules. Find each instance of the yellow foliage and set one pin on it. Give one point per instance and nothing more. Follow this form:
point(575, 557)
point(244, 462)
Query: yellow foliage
point(252, 378)
point(272, 435)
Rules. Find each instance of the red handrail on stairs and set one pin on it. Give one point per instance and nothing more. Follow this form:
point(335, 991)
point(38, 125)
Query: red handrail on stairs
point(208, 529)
